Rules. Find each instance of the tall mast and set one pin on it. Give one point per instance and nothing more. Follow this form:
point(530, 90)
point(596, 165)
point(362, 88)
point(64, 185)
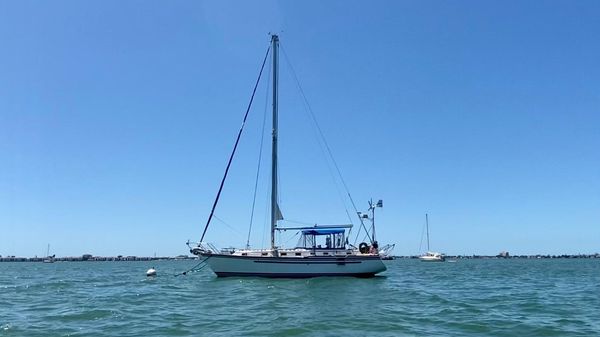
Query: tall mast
point(275, 213)
point(427, 225)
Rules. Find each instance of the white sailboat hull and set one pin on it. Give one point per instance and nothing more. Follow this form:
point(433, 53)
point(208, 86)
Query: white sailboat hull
point(291, 267)
point(432, 257)
point(309, 258)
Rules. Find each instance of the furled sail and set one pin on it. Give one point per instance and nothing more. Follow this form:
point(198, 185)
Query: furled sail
point(278, 214)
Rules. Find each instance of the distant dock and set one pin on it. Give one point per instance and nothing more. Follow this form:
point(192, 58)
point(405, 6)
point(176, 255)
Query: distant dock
point(91, 258)
point(503, 257)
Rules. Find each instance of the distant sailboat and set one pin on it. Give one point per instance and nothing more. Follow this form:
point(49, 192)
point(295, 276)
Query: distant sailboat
point(48, 259)
point(430, 256)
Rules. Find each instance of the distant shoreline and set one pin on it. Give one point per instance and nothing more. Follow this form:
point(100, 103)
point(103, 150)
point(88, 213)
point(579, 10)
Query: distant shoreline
point(499, 257)
point(91, 258)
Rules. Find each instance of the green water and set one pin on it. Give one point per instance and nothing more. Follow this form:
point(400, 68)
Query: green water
point(466, 298)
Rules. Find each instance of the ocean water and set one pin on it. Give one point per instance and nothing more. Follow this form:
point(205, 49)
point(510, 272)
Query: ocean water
point(466, 298)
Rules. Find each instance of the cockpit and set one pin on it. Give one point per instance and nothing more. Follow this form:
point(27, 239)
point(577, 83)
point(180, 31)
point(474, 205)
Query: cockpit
point(333, 238)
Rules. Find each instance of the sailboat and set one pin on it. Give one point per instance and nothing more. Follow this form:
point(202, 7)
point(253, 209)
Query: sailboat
point(48, 259)
point(322, 250)
point(430, 256)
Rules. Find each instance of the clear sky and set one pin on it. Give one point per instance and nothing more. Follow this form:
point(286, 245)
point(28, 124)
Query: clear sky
point(117, 119)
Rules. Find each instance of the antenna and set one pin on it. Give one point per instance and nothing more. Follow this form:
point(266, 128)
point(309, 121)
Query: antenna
point(372, 207)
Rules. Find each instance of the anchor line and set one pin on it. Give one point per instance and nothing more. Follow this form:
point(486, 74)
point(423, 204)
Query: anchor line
point(195, 268)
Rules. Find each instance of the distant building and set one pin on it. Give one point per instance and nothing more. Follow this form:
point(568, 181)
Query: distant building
point(503, 255)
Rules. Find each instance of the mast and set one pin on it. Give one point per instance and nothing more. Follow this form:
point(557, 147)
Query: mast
point(372, 207)
point(275, 213)
point(427, 226)
point(373, 220)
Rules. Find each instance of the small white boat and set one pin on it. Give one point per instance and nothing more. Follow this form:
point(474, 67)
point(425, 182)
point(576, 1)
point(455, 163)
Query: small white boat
point(430, 256)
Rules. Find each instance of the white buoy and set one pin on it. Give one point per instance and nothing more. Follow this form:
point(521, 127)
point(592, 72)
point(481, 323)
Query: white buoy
point(151, 272)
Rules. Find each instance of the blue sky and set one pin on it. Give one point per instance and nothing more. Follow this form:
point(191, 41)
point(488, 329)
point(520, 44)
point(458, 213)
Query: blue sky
point(117, 119)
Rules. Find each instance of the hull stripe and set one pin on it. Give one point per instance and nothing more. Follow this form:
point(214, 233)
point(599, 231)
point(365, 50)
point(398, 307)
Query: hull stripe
point(342, 261)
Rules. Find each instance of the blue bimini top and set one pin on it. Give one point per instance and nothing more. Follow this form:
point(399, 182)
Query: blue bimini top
point(322, 231)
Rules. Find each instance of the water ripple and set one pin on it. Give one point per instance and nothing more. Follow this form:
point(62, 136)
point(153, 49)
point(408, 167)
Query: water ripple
point(468, 298)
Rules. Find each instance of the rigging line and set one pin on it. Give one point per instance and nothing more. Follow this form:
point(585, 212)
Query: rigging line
point(320, 142)
point(290, 239)
point(330, 170)
point(236, 232)
point(336, 184)
point(365, 237)
point(323, 138)
point(362, 223)
point(357, 235)
point(237, 141)
point(265, 214)
point(298, 222)
point(314, 119)
point(262, 138)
